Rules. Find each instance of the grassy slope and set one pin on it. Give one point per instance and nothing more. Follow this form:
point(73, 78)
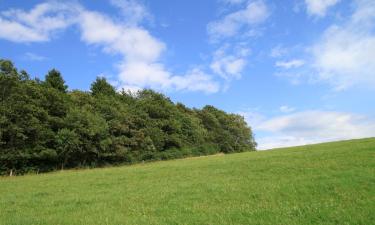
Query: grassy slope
point(330, 183)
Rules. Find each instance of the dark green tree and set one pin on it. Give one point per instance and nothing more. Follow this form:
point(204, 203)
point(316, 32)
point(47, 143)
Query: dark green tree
point(101, 87)
point(55, 80)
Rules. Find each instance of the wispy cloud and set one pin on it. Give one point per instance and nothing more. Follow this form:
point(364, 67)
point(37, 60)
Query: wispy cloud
point(254, 13)
point(286, 109)
point(345, 54)
point(229, 65)
point(133, 11)
point(319, 7)
point(34, 57)
point(230, 35)
point(37, 25)
point(233, 2)
point(290, 64)
point(278, 51)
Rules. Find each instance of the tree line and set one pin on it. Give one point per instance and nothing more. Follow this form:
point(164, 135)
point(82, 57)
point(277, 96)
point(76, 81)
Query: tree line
point(44, 126)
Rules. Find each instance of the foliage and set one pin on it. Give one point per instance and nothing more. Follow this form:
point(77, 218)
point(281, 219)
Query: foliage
point(46, 127)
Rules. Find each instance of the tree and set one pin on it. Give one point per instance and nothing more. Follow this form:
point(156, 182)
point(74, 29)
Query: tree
point(7, 68)
point(55, 80)
point(67, 142)
point(101, 87)
point(91, 129)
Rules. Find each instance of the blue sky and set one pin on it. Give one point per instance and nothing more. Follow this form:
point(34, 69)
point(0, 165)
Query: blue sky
point(299, 71)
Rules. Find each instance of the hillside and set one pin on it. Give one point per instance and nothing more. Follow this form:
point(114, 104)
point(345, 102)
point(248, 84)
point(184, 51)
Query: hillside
point(330, 183)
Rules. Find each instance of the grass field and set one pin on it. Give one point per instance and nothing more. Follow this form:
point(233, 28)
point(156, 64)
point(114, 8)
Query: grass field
point(331, 183)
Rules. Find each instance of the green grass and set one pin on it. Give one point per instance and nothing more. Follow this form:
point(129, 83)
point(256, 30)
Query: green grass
point(331, 183)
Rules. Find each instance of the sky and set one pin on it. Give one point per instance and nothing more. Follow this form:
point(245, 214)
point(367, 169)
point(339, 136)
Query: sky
point(299, 71)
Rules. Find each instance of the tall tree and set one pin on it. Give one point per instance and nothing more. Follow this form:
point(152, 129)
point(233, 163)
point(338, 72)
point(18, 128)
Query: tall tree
point(55, 80)
point(101, 87)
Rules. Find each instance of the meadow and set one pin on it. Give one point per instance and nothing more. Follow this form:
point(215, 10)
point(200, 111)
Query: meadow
point(329, 183)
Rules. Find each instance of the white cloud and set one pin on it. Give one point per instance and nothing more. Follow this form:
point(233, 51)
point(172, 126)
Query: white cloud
point(229, 65)
point(140, 64)
point(286, 109)
point(255, 12)
point(37, 25)
point(233, 2)
point(345, 55)
point(230, 60)
point(16, 32)
point(319, 7)
point(132, 10)
point(252, 117)
point(278, 51)
point(135, 43)
point(279, 141)
point(290, 64)
point(34, 57)
point(195, 80)
point(142, 73)
point(129, 88)
point(307, 127)
point(137, 75)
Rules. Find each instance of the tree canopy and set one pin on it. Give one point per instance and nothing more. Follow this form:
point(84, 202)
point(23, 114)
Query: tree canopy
point(45, 127)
